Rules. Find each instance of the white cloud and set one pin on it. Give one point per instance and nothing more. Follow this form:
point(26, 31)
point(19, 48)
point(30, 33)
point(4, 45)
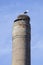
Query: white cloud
point(37, 51)
point(39, 44)
point(5, 51)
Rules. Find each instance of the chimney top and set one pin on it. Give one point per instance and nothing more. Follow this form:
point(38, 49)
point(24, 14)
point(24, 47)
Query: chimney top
point(23, 17)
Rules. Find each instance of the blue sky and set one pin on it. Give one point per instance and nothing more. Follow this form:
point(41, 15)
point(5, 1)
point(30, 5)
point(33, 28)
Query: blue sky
point(9, 10)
